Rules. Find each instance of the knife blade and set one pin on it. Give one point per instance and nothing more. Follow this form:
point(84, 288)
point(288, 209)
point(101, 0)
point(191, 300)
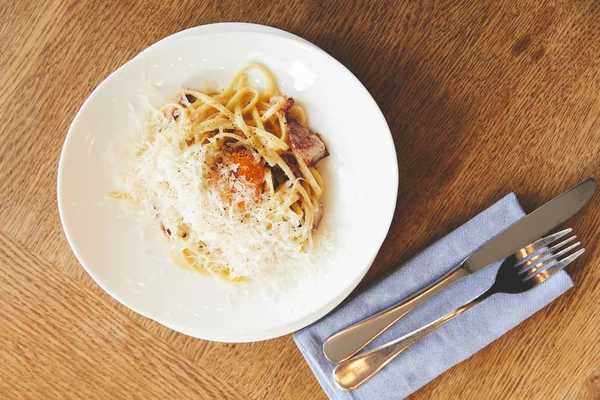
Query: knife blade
point(533, 226)
point(349, 341)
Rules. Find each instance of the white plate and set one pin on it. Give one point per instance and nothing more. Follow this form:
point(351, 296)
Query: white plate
point(361, 174)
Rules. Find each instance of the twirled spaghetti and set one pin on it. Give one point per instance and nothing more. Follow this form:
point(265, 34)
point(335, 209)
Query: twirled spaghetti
point(231, 176)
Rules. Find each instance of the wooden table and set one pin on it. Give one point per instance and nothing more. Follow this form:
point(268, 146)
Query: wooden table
point(483, 98)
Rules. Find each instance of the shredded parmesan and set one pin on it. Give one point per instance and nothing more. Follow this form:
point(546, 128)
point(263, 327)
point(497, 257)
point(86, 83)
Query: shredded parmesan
point(176, 184)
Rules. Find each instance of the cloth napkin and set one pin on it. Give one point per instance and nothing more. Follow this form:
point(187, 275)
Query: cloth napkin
point(450, 344)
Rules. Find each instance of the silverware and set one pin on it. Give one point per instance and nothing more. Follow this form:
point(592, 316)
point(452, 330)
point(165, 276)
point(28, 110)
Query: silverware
point(519, 273)
point(349, 341)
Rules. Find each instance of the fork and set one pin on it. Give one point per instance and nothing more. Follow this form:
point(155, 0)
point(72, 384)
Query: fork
point(526, 269)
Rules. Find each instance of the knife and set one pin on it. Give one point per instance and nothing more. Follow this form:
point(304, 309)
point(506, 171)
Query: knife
point(351, 340)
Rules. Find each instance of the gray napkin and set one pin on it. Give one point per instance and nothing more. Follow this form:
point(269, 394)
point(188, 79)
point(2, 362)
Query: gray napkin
point(453, 342)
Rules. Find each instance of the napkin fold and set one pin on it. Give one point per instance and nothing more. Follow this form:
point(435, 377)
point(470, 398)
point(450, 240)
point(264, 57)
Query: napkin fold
point(450, 344)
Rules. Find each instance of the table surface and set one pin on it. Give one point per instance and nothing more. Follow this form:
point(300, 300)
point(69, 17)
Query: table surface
point(482, 98)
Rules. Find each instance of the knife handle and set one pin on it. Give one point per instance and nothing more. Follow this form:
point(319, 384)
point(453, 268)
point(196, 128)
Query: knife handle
point(349, 341)
point(354, 372)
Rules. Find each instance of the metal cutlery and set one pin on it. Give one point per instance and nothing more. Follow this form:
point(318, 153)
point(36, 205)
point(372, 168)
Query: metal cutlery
point(524, 270)
point(349, 341)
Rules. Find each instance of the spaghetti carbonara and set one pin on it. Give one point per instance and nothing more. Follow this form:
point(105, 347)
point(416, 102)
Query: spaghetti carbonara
point(230, 177)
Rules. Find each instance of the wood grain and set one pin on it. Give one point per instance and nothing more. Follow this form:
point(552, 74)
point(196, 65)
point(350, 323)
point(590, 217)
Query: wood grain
point(483, 98)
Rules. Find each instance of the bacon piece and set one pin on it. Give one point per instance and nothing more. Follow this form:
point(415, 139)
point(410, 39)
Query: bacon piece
point(307, 143)
point(166, 231)
point(288, 104)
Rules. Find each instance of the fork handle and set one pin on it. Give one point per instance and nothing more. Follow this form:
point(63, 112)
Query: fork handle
point(351, 340)
point(352, 373)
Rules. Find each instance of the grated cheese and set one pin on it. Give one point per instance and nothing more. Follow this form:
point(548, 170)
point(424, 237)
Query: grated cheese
point(178, 184)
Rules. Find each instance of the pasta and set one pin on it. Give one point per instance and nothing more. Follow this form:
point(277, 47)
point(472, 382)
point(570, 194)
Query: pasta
point(231, 176)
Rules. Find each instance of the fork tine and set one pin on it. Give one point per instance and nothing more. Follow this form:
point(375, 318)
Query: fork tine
point(544, 256)
point(556, 268)
point(541, 266)
point(561, 244)
point(532, 249)
point(529, 270)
